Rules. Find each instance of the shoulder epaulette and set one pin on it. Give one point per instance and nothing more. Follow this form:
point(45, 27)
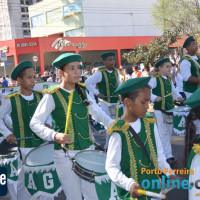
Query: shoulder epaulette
point(115, 69)
point(81, 84)
point(101, 69)
point(187, 58)
point(38, 91)
point(156, 75)
point(13, 94)
point(115, 127)
point(169, 77)
point(149, 118)
point(196, 148)
point(197, 54)
point(52, 89)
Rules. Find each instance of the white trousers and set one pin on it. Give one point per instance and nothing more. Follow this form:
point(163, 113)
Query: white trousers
point(22, 194)
point(73, 186)
point(105, 108)
point(12, 189)
point(195, 165)
point(165, 132)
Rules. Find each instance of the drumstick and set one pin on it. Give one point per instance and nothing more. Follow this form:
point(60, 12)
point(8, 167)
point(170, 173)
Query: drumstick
point(151, 194)
point(111, 96)
point(169, 94)
point(69, 111)
point(24, 138)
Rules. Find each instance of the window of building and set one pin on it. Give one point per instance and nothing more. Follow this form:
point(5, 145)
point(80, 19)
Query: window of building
point(22, 2)
point(24, 9)
point(25, 24)
point(26, 32)
point(28, 2)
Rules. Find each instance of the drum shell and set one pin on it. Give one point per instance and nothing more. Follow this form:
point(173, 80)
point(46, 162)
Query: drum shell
point(112, 110)
point(82, 172)
point(85, 174)
point(168, 118)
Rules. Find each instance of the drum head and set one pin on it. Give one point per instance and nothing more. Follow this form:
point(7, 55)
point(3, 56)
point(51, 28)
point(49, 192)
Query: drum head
point(42, 155)
point(7, 149)
point(92, 160)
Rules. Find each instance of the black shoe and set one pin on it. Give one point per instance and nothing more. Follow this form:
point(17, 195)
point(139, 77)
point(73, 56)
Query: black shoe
point(174, 164)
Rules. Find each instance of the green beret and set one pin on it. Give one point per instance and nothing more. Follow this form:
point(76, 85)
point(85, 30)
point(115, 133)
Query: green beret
point(19, 67)
point(194, 100)
point(191, 38)
point(160, 62)
point(65, 59)
point(105, 55)
point(132, 84)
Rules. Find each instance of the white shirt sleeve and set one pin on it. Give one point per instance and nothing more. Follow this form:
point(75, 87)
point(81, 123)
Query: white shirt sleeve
point(162, 163)
point(175, 95)
point(5, 109)
point(152, 83)
point(118, 81)
point(98, 114)
point(92, 81)
point(43, 111)
point(113, 163)
point(185, 69)
point(8, 121)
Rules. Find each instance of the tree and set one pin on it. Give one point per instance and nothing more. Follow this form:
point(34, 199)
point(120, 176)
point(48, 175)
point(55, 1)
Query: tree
point(158, 48)
point(177, 15)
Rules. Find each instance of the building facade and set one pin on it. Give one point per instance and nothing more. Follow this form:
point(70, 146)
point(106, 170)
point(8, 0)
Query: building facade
point(14, 19)
point(91, 18)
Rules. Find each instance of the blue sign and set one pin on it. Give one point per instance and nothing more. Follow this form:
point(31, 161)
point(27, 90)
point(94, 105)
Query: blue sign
point(8, 64)
point(3, 181)
point(72, 9)
point(38, 20)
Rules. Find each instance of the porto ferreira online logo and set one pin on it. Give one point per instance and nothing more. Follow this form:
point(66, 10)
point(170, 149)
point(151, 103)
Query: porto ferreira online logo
point(3, 181)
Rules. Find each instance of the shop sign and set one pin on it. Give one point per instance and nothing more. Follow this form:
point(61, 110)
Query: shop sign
point(27, 44)
point(4, 49)
point(60, 43)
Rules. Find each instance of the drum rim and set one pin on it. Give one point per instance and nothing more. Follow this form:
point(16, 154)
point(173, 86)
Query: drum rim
point(35, 150)
point(76, 163)
point(82, 151)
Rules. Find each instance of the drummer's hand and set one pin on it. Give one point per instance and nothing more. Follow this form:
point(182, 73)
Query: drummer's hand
point(158, 99)
point(133, 190)
point(101, 96)
point(63, 139)
point(180, 99)
point(10, 139)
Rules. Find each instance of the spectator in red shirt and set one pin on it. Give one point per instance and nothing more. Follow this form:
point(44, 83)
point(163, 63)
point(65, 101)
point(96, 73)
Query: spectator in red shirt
point(136, 73)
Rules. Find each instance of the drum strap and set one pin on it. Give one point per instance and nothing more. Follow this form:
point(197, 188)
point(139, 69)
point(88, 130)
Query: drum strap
point(139, 141)
point(20, 154)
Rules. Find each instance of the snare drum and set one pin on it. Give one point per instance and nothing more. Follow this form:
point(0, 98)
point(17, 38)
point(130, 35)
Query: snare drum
point(9, 160)
point(41, 179)
point(179, 119)
point(86, 164)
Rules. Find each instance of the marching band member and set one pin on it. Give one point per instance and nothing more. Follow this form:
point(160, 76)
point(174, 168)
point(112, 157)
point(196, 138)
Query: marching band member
point(192, 141)
point(163, 92)
point(125, 155)
point(56, 102)
point(190, 67)
point(21, 106)
point(107, 79)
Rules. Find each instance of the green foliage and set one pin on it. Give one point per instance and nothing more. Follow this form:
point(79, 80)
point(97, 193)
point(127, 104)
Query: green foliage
point(155, 50)
point(177, 15)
